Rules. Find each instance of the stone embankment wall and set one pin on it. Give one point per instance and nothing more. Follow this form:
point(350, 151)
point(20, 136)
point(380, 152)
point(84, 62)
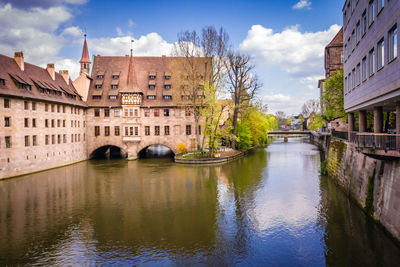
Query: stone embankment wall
point(373, 183)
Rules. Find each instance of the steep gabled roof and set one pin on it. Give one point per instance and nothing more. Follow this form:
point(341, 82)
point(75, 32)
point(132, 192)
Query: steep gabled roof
point(337, 40)
point(38, 78)
point(85, 53)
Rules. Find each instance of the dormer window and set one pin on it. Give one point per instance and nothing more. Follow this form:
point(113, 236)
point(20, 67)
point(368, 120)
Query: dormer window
point(115, 75)
point(152, 75)
point(167, 97)
point(100, 75)
point(2, 82)
point(167, 86)
point(167, 75)
point(152, 86)
point(114, 84)
point(21, 83)
point(151, 97)
point(96, 97)
point(24, 86)
point(99, 84)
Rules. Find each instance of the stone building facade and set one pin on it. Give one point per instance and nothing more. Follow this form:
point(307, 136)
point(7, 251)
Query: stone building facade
point(135, 102)
point(333, 61)
point(125, 102)
point(371, 64)
point(42, 118)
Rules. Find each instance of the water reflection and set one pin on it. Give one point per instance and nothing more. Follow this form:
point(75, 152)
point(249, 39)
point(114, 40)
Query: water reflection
point(268, 208)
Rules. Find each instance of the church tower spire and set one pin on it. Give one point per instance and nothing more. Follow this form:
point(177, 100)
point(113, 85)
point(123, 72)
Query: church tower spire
point(85, 60)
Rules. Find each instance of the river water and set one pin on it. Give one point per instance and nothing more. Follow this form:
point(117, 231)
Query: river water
point(270, 208)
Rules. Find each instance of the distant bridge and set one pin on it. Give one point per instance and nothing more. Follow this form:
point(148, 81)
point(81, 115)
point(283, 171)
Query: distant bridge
point(285, 133)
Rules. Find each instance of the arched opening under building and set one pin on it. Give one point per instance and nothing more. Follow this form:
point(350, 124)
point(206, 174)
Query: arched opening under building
point(156, 151)
point(108, 152)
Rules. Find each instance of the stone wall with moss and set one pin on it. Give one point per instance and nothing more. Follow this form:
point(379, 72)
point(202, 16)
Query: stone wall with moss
point(373, 183)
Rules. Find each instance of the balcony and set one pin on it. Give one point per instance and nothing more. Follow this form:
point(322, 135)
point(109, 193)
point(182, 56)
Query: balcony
point(131, 138)
point(373, 143)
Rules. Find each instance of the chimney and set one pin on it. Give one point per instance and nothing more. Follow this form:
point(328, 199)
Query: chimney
point(51, 71)
point(65, 75)
point(19, 59)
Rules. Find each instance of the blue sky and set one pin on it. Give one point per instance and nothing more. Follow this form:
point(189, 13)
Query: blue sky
point(285, 38)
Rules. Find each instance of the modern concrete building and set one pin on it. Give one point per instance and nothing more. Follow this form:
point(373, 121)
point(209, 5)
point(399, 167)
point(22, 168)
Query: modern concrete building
point(42, 118)
point(371, 64)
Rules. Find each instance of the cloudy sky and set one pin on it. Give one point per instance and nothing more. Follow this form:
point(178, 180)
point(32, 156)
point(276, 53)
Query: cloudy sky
point(286, 38)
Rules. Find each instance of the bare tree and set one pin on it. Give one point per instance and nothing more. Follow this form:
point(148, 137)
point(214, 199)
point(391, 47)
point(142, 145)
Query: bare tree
point(202, 66)
point(309, 108)
point(243, 84)
point(281, 117)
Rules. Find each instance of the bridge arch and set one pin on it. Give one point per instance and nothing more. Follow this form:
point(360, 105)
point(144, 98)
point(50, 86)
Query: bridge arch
point(108, 152)
point(155, 150)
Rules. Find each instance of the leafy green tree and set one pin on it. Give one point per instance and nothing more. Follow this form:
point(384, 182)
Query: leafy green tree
point(316, 122)
point(244, 137)
point(332, 98)
point(212, 112)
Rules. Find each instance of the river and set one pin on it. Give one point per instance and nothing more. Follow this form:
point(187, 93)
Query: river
point(269, 208)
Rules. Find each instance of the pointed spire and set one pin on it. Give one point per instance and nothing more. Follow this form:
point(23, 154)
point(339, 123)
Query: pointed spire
point(85, 53)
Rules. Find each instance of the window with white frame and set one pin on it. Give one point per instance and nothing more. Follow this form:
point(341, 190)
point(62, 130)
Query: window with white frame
point(371, 11)
point(364, 22)
point(392, 47)
point(364, 70)
point(381, 53)
point(381, 5)
point(371, 62)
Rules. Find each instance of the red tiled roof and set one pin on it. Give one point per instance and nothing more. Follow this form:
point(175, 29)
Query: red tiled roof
point(36, 77)
point(134, 75)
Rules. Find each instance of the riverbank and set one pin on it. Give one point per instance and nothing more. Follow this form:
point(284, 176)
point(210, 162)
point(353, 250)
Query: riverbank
point(374, 183)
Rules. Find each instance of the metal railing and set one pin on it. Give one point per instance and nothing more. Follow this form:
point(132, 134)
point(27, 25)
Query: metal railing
point(340, 135)
point(371, 140)
point(378, 141)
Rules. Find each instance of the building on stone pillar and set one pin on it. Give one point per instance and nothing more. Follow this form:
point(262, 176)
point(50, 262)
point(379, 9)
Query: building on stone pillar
point(371, 63)
point(134, 102)
point(42, 118)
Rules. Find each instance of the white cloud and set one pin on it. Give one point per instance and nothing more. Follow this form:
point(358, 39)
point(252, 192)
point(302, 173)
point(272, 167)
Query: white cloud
point(131, 23)
point(299, 54)
point(73, 31)
point(71, 65)
point(33, 31)
point(119, 31)
point(26, 4)
point(302, 4)
point(40, 34)
point(285, 103)
point(151, 44)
